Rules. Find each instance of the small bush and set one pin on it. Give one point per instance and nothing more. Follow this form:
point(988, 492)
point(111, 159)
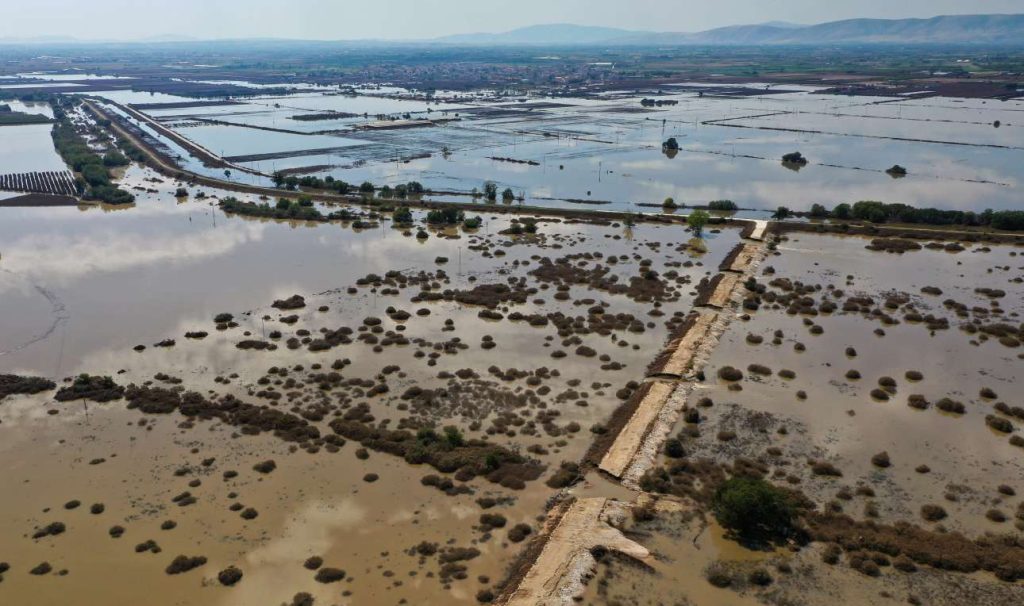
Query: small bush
point(519, 532)
point(729, 373)
point(933, 513)
point(753, 508)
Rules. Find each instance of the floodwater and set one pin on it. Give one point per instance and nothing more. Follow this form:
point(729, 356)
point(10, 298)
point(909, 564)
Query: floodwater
point(87, 284)
point(608, 149)
point(840, 421)
point(688, 547)
point(28, 147)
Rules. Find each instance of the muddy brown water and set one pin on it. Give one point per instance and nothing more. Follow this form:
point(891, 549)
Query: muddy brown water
point(840, 421)
point(688, 547)
point(88, 284)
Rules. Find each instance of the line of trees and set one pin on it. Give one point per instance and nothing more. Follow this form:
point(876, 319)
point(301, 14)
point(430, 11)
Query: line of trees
point(880, 212)
point(301, 210)
point(329, 183)
point(94, 182)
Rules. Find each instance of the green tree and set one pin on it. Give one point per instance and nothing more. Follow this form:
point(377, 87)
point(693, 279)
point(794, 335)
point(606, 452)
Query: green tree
point(781, 213)
point(723, 205)
point(753, 508)
point(402, 215)
point(491, 190)
point(818, 211)
point(114, 158)
point(697, 220)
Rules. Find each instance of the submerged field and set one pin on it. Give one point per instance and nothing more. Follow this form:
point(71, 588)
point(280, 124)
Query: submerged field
point(605, 150)
point(527, 342)
point(200, 403)
point(881, 387)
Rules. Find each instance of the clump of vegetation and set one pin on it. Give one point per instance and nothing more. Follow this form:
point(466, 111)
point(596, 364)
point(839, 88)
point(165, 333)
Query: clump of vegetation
point(183, 563)
point(449, 452)
point(696, 221)
point(90, 387)
point(15, 384)
point(94, 183)
point(754, 508)
point(299, 210)
point(446, 216)
point(492, 520)
point(674, 448)
point(229, 576)
point(999, 424)
point(329, 575)
point(265, 466)
point(951, 406)
point(519, 532)
point(402, 216)
point(933, 513)
point(824, 468)
point(729, 373)
point(669, 204)
point(722, 205)
point(524, 225)
point(491, 190)
point(718, 575)
point(566, 475)
point(880, 212)
point(794, 158)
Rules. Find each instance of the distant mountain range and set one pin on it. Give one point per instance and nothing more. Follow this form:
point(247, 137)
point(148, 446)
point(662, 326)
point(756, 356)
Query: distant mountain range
point(953, 29)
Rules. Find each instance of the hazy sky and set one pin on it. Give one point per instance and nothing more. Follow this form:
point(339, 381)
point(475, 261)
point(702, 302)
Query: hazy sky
point(349, 19)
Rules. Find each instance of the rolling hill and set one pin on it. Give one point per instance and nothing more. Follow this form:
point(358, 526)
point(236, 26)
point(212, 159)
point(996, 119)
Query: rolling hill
point(950, 29)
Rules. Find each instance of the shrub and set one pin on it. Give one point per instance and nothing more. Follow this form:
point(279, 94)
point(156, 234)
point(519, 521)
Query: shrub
point(842, 211)
point(729, 373)
point(753, 508)
point(697, 220)
point(114, 158)
point(519, 532)
point(445, 216)
point(402, 215)
point(674, 448)
point(794, 158)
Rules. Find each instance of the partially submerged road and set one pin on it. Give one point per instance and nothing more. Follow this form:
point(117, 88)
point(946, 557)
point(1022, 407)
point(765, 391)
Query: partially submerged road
point(556, 577)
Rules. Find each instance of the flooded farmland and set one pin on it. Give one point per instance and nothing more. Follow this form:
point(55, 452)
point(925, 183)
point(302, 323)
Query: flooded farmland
point(511, 359)
point(895, 414)
point(607, 150)
point(518, 376)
